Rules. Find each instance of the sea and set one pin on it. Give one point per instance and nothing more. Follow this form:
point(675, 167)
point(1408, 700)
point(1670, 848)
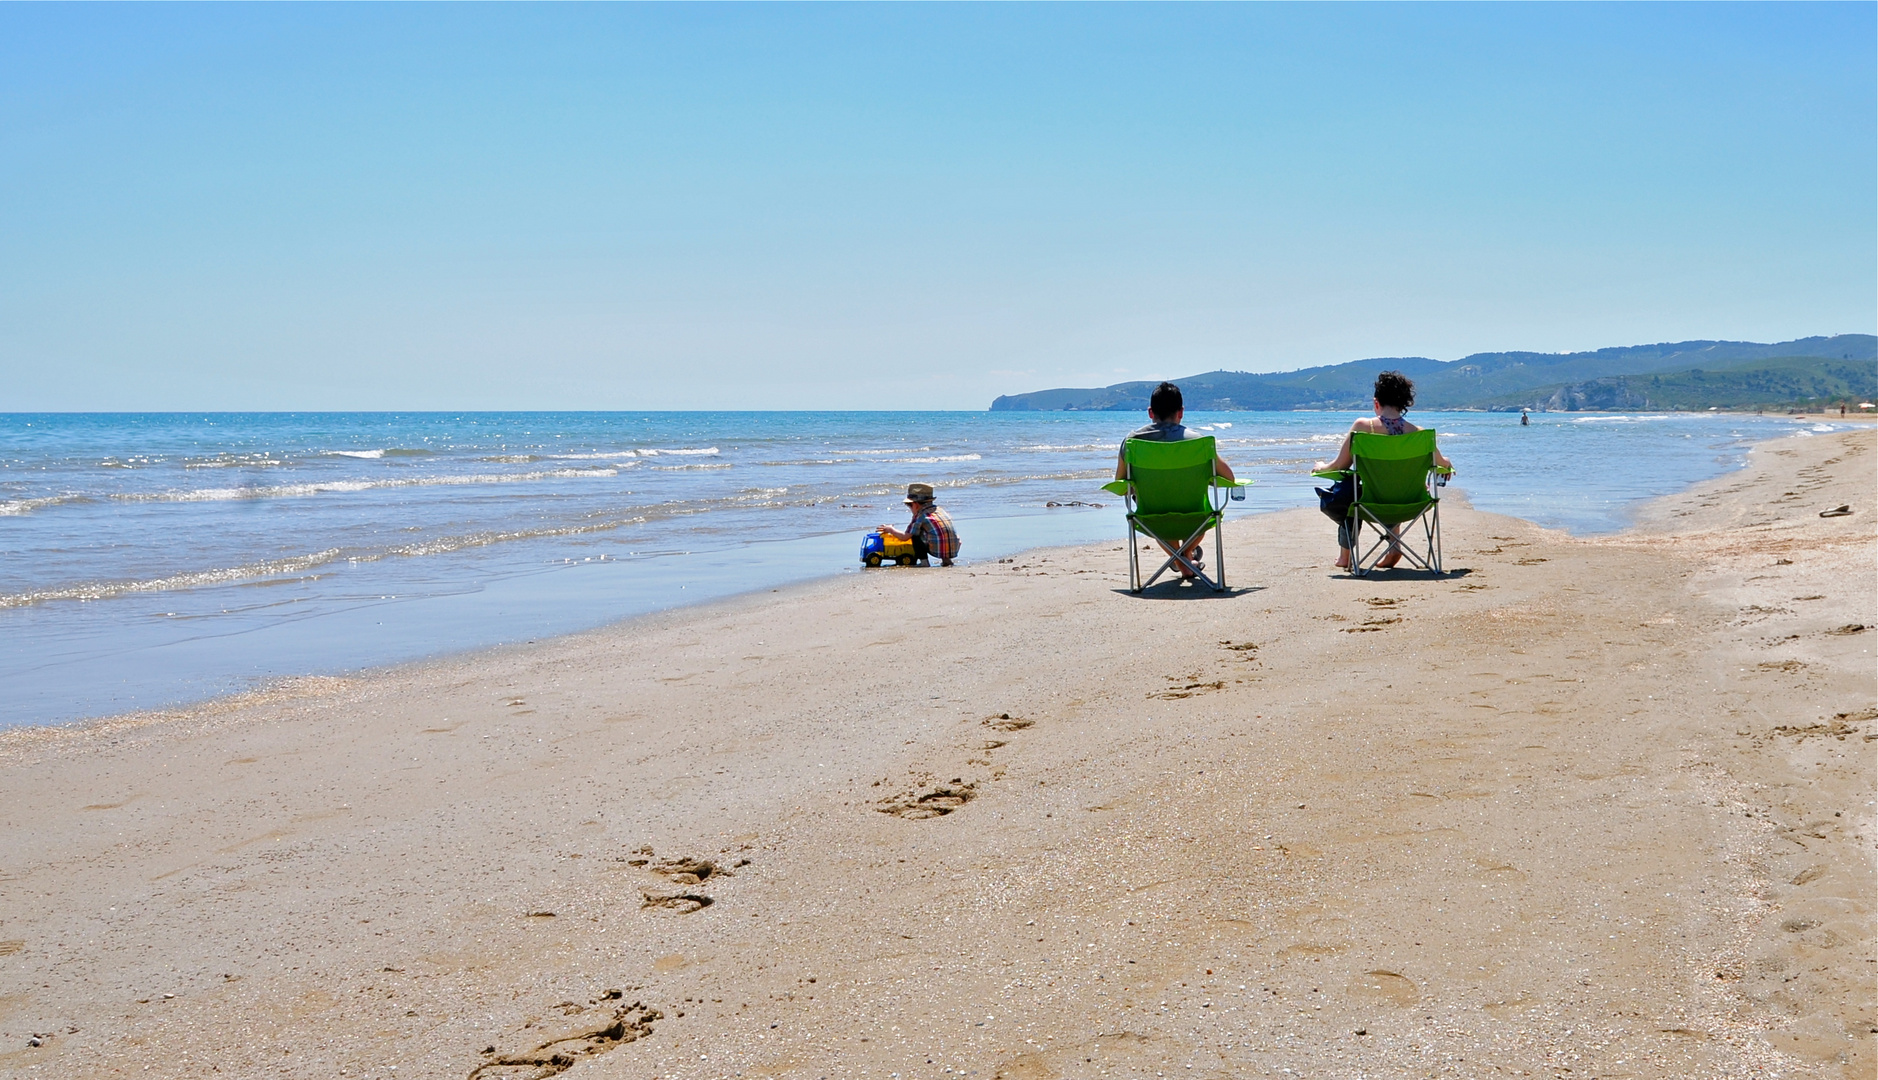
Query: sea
point(153, 560)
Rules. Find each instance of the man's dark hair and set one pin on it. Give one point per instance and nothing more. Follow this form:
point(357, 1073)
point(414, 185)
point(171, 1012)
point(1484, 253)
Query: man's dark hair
point(1394, 390)
point(1166, 401)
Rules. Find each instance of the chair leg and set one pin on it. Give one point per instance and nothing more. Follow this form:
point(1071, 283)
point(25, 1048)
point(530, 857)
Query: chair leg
point(1435, 535)
point(1134, 560)
point(1219, 555)
point(1177, 558)
point(1165, 564)
point(1363, 563)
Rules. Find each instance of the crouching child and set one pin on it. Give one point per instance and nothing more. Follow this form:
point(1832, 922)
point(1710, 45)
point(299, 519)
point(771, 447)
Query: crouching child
point(930, 530)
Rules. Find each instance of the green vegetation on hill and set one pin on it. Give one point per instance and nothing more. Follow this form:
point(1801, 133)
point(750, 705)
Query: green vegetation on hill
point(1688, 375)
point(1779, 383)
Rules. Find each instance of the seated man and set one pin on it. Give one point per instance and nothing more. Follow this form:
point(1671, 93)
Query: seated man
point(1165, 410)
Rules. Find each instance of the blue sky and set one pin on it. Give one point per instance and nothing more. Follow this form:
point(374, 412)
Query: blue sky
point(775, 206)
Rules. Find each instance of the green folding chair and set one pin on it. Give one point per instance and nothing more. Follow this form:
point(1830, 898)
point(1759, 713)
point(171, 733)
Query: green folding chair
point(1393, 491)
point(1172, 494)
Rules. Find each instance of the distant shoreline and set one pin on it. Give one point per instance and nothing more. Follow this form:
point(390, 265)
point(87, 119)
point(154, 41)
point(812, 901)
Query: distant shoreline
point(1688, 376)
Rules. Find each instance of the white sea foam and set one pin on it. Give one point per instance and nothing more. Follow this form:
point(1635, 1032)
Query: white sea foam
point(444, 545)
point(936, 460)
point(13, 507)
point(341, 487)
point(389, 451)
point(682, 451)
point(99, 590)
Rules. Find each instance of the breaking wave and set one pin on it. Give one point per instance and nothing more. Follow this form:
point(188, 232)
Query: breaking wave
point(374, 455)
point(330, 487)
point(12, 507)
point(100, 590)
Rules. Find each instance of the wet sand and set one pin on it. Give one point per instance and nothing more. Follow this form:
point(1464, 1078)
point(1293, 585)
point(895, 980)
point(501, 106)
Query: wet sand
point(1585, 807)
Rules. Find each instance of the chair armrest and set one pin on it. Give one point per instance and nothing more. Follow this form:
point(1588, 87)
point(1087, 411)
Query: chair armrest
point(1445, 470)
point(1332, 474)
point(1116, 487)
point(1220, 481)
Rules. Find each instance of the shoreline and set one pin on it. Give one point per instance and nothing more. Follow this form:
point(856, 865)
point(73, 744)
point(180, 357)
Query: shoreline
point(1597, 802)
point(274, 684)
point(1644, 515)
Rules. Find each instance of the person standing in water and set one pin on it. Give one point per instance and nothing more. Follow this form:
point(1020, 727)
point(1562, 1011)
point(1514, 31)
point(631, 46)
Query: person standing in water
point(1393, 396)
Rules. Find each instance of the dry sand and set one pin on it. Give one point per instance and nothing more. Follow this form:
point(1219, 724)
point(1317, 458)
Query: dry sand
point(1584, 808)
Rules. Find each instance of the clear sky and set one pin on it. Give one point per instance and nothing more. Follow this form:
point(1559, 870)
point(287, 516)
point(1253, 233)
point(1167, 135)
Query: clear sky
point(775, 206)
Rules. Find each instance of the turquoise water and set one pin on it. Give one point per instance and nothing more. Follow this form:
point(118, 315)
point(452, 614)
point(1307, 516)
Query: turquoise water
point(153, 559)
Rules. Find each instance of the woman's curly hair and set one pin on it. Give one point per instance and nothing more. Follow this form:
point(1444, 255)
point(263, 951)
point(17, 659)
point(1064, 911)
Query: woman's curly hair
point(1394, 390)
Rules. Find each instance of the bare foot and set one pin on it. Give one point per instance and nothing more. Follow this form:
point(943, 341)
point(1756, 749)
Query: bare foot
point(1343, 558)
point(1388, 560)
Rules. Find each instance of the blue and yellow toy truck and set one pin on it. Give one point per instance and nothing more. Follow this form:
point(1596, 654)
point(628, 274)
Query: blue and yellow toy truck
point(877, 548)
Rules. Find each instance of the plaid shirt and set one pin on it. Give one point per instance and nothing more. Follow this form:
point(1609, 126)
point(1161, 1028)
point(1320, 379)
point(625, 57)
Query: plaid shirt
point(935, 529)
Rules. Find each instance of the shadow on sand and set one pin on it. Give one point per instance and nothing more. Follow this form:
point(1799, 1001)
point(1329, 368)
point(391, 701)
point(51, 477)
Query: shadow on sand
point(1405, 573)
point(1181, 590)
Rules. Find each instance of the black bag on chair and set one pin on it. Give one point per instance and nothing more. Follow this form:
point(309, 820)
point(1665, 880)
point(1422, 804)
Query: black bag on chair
point(1335, 500)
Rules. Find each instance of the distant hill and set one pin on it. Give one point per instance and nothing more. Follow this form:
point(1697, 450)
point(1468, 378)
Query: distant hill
point(1683, 375)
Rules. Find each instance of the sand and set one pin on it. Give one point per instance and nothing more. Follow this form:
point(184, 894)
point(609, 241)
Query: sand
point(1586, 807)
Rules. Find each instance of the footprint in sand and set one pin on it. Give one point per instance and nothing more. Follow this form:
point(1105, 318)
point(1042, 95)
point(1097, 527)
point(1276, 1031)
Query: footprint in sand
point(1006, 722)
point(681, 872)
point(926, 800)
point(1248, 650)
point(687, 871)
point(1782, 665)
point(1371, 625)
point(986, 749)
point(604, 1027)
point(1187, 690)
point(1391, 986)
point(937, 801)
point(1840, 726)
point(684, 903)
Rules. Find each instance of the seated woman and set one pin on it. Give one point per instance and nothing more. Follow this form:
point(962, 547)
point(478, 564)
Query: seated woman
point(1394, 394)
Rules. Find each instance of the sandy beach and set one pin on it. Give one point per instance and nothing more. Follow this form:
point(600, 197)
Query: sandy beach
point(1584, 807)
